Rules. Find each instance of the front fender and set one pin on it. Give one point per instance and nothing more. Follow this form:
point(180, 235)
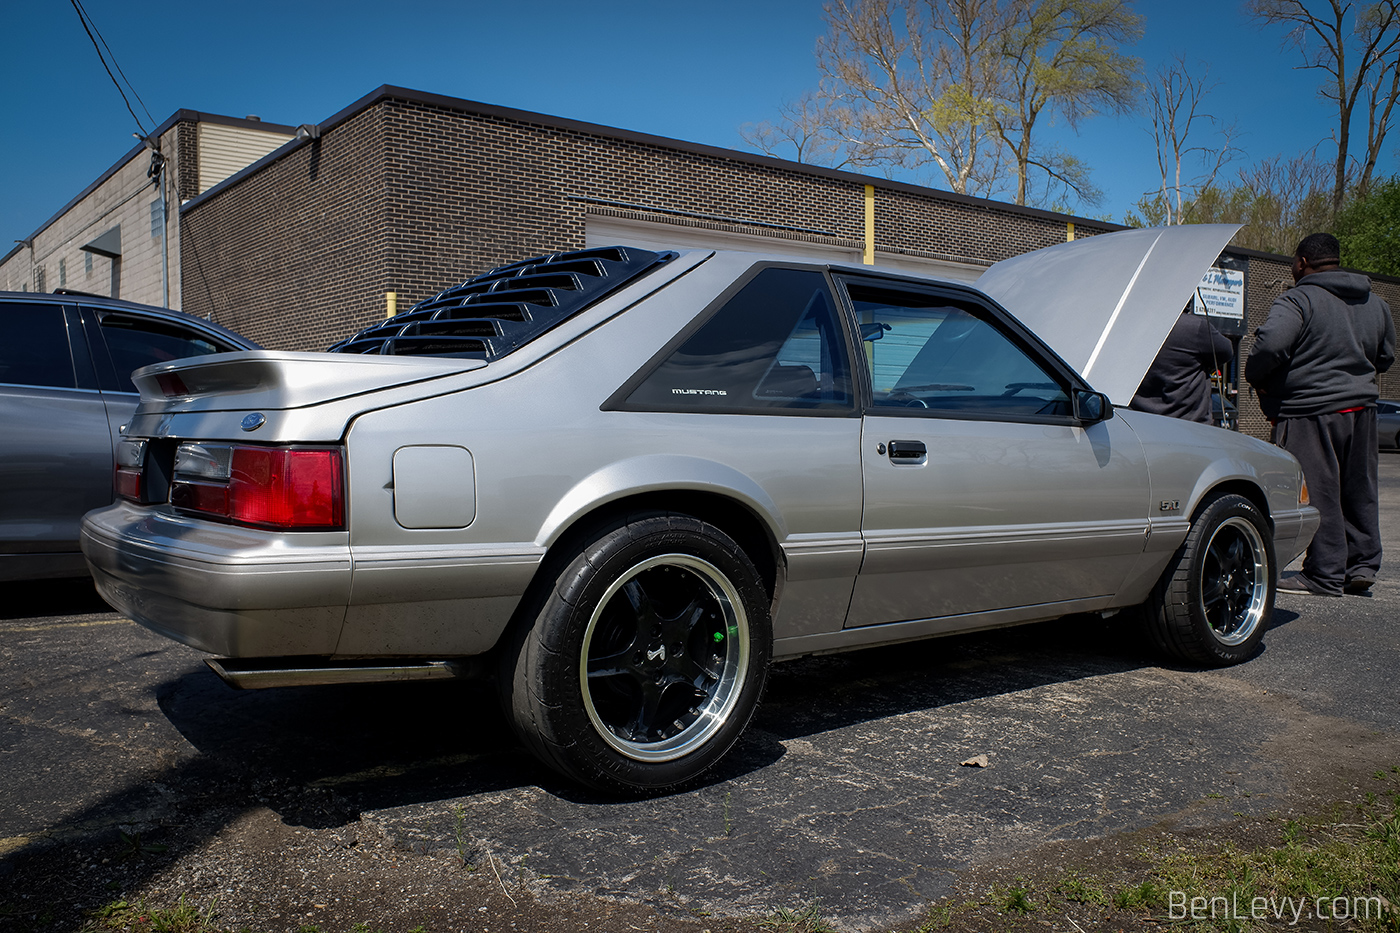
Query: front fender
point(658, 473)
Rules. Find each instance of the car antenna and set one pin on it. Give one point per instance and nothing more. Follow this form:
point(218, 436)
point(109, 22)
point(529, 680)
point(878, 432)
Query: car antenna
point(1215, 360)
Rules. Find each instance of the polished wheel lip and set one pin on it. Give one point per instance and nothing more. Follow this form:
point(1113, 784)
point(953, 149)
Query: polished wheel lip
point(723, 695)
point(1251, 594)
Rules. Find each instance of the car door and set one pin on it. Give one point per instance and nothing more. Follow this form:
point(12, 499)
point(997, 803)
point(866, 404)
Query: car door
point(125, 340)
point(983, 491)
point(56, 459)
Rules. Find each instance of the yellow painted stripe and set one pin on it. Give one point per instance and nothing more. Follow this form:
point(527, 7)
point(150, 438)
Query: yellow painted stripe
point(53, 625)
point(869, 258)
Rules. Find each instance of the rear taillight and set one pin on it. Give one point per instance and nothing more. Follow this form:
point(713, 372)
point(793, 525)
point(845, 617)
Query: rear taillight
point(131, 462)
point(271, 487)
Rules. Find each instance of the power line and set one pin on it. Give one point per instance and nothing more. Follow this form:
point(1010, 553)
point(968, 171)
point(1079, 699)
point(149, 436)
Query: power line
point(89, 27)
point(117, 65)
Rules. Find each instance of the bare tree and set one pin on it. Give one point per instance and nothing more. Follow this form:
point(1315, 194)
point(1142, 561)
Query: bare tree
point(1358, 48)
point(1174, 103)
point(804, 126)
point(1288, 199)
point(1279, 202)
point(1060, 58)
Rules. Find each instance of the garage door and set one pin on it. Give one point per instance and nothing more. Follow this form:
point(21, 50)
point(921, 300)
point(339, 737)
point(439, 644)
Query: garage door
point(610, 231)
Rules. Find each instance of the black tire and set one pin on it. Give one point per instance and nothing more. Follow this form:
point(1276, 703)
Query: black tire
point(1216, 597)
point(646, 658)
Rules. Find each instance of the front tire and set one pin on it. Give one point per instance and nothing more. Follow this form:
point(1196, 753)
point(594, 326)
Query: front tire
point(1216, 597)
point(647, 657)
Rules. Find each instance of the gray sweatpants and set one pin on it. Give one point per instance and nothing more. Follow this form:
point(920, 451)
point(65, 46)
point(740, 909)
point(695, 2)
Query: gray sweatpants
point(1341, 466)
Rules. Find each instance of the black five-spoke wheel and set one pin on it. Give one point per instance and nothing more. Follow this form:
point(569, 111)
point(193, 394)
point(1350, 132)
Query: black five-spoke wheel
point(1234, 581)
point(1216, 596)
point(666, 650)
point(643, 663)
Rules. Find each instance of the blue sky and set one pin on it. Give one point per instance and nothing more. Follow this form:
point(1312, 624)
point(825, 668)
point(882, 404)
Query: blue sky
point(692, 71)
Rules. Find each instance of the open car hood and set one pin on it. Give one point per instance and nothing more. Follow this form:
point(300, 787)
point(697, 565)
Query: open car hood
point(1105, 304)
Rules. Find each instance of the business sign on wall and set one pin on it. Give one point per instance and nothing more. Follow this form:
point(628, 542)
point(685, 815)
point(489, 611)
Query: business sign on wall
point(1220, 296)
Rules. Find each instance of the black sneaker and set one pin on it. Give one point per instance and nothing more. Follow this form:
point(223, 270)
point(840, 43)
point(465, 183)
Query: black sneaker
point(1303, 585)
point(1359, 586)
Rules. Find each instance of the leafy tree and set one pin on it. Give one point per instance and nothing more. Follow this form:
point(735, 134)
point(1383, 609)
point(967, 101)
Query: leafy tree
point(962, 89)
point(1369, 229)
point(1061, 57)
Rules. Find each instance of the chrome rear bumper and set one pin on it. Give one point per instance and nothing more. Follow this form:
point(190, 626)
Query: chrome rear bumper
point(236, 592)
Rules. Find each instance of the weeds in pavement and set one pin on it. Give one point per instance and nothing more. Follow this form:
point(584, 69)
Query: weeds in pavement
point(1079, 890)
point(1344, 866)
point(459, 832)
point(806, 920)
point(125, 917)
point(1338, 868)
point(1015, 899)
point(135, 848)
point(1138, 896)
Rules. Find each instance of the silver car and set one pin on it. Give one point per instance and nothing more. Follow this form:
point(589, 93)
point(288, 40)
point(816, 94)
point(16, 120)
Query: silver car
point(629, 481)
point(1388, 424)
point(65, 391)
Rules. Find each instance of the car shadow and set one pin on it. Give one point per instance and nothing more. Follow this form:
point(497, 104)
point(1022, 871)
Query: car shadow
point(45, 598)
point(378, 746)
point(318, 757)
point(817, 694)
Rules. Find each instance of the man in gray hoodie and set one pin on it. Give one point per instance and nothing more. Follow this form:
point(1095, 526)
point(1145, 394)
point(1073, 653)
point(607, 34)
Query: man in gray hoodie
point(1314, 364)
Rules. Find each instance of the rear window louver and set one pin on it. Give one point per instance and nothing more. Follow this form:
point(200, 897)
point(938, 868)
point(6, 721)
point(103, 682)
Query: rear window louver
point(504, 309)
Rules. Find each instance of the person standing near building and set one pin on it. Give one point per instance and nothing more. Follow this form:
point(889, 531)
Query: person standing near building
point(1315, 364)
point(1178, 382)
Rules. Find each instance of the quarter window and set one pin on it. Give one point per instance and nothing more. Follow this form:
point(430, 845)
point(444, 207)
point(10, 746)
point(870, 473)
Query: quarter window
point(926, 352)
point(775, 345)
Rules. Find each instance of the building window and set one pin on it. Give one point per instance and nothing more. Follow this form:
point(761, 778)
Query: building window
point(87, 263)
point(39, 279)
point(157, 219)
point(62, 273)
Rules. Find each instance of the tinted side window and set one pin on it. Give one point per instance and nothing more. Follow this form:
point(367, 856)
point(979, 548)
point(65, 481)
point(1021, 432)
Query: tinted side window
point(775, 345)
point(930, 353)
point(34, 346)
point(134, 342)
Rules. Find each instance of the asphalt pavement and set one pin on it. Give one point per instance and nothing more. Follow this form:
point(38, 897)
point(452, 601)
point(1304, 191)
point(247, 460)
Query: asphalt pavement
point(848, 789)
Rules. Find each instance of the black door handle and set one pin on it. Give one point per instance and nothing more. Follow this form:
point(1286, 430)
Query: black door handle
point(907, 450)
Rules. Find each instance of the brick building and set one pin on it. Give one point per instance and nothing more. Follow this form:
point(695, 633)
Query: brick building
point(403, 193)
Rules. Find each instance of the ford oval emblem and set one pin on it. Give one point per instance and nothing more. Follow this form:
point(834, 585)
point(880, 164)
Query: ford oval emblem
point(254, 421)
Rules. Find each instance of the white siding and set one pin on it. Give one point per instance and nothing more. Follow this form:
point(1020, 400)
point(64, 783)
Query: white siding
point(224, 150)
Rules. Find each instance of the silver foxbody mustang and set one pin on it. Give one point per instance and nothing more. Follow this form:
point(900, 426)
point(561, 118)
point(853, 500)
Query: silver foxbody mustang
point(629, 481)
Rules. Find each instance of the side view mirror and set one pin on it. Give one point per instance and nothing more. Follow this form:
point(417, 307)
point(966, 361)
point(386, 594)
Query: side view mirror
point(1092, 406)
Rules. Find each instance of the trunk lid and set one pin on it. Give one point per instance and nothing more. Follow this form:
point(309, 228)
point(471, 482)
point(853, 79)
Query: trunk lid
point(280, 380)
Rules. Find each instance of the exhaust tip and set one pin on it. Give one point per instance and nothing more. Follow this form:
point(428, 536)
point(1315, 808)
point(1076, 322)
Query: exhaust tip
point(259, 673)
